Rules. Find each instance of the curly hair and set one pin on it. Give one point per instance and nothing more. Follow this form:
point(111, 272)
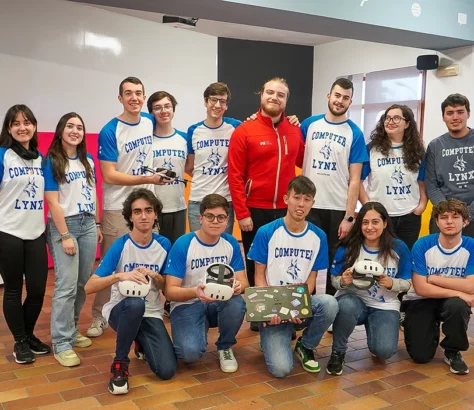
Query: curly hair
point(147, 195)
point(413, 149)
point(454, 206)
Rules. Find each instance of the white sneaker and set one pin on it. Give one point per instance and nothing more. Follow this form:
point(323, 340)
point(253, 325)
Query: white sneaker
point(67, 358)
point(227, 361)
point(329, 329)
point(97, 327)
point(81, 341)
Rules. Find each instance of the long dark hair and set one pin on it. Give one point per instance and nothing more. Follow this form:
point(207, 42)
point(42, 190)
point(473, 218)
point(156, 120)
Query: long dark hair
point(413, 149)
point(58, 157)
point(6, 139)
point(355, 239)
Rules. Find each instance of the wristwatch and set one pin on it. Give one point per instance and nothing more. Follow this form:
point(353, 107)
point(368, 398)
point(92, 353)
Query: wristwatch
point(349, 218)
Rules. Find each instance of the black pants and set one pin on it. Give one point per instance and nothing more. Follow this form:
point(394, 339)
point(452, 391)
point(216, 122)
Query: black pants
point(260, 217)
point(329, 222)
point(18, 257)
point(407, 228)
point(467, 231)
point(422, 322)
point(172, 224)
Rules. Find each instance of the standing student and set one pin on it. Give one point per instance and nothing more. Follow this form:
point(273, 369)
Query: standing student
point(22, 241)
point(396, 171)
point(73, 231)
point(125, 146)
point(334, 153)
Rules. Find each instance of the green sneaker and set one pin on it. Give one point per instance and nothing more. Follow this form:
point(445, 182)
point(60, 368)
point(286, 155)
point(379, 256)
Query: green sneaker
point(81, 341)
point(306, 357)
point(67, 358)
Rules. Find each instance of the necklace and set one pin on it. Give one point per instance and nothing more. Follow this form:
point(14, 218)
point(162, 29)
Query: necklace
point(26, 166)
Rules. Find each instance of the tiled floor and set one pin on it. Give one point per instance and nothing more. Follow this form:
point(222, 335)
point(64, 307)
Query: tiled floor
point(366, 383)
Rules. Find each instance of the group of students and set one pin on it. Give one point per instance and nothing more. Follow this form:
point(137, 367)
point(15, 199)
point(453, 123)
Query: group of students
point(246, 169)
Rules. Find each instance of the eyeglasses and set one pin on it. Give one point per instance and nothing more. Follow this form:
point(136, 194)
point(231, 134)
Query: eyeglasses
point(160, 108)
point(220, 218)
point(214, 100)
point(396, 119)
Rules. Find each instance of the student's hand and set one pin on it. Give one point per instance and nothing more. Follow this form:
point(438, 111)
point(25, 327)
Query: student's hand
point(385, 281)
point(293, 119)
point(160, 179)
point(134, 275)
point(252, 117)
point(344, 228)
point(469, 299)
point(237, 287)
point(100, 237)
point(296, 320)
point(201, 295)
point(246, 224)
point(419, 210)
point(69, 247)
point(275, 320)
point(346, 278)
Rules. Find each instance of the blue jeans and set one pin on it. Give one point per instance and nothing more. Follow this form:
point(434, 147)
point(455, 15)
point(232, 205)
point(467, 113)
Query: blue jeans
point(381, 326)
point(193, 217)
point(71, 274)
point(276, 340)
point(190, 323)
point(126, 318)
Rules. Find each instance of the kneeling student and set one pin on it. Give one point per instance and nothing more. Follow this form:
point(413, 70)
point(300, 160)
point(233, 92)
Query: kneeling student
point(293, 232)
point(443, 278)
point(192, 312)
point(139, 257)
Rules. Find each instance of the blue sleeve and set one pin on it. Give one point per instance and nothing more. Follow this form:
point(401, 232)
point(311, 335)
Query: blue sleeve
point(150, 117)
point(405, 262)
point(307, 122)
point(468, 243)
point(366, 170)
point(322, 259)
point(166, 245)
point(237, 262)
point(108, 142)
point(50, 183)
point(111, 259)
point(418, 253)
point(93, 166)
point(177, 257)
point(190, 138)
point(182, 134)
point(3, 150)
point(259, 249)
point(358, 151)
point(338, 261)
point(421, 171)
point(232, 121)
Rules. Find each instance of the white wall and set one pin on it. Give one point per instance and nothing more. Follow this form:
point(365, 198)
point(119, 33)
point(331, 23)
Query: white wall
point(355, 57)
point(46, 64)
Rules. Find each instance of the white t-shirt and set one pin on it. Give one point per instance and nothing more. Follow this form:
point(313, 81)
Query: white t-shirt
point(377, 296)
point(189, 259)
point(330, 148)
point(289, 257)
point(125, 255)
point(210, 147)
point(130, 147)
point(21, 195)
point(391, 183)
point(429, 258)
point(170, 153)
point(76, 195)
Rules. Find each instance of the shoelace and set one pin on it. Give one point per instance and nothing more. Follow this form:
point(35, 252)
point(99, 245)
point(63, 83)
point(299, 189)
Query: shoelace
point(23, 347)
point(97, 322)
point(119, 371)
point(227, 354)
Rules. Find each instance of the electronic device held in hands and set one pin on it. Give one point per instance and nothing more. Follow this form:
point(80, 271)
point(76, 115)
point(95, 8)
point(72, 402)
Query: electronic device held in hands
point(365, 273)
point(131, 289)
point(219, 283)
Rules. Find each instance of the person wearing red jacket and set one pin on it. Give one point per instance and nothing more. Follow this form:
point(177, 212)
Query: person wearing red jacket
point(263, 153)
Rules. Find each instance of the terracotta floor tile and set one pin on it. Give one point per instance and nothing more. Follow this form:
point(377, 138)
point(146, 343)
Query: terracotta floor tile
point(92, 390)
point(19, 383)
point(126, 405)
point(365, 376)
point(468, 403)
point(210, 388)
point(366, 389)
point(467, 387)
point(71, 373)
point(285, 396)
point(247, 392)
point(409, 405)
point(249, 404)
point(35, 371)
point(252, 378)
point(443, 397)
point(400, 394)
point(85, 403)
point(33, 402)
point(401, 379)
point(402, 366)
point(292, 381)
point(434, 368)
point(332, 398)
point(430, 385)
point(324, 386)
point(6, 376)
point(13, 395)
point(368, 364)
point(215, 375)
point(202, 403)
point(106, 398)
point(60, 386)
point(455, 406)
point(162, 386)
point(365, 403)
point(162, 398)
point(97, 378)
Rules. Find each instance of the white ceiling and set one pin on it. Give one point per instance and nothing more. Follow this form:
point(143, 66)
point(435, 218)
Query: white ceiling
point(233, 30)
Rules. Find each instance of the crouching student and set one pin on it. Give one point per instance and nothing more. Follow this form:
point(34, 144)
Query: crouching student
point(443, 280)
point(274, 268)
point(192, 312)
point(138, 257)
point(377, 308)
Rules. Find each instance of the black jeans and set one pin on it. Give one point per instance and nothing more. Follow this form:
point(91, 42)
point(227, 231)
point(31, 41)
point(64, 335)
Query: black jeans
point(260, 217)
point(407, 228)
point(18, 257)
point(172, 224)
point(329, 222)
point(422, 322)
point(467, 231)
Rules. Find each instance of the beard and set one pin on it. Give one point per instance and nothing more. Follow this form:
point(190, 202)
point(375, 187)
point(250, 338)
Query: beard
point(272, 110)
point(335, 113)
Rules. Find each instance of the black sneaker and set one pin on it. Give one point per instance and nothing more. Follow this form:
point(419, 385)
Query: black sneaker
point(23, 353)
point(139, 351)
point(335, 364)
point(167, 308)
point(254, 326)
point(118, 383)
point(37, 346)
point(456, 362)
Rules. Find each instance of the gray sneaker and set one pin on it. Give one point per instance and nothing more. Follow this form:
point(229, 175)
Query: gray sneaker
point(97, 327)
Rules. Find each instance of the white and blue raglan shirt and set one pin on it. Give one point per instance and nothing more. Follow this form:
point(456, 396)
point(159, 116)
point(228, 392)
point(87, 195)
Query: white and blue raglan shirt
point(210, 147)
point(125, 255)
point(289, 257)
point(189, 259)
point(130, 147)
point(171, 153)
point(390, 182)
point(377, 296)
point(330, 148)
point(429, 258)
point(21, 195)
point(76, 195)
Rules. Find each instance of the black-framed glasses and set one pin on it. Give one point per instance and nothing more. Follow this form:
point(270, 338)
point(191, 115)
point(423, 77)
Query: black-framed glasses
point(396, 119)
point(214, 101)
point(211, 217)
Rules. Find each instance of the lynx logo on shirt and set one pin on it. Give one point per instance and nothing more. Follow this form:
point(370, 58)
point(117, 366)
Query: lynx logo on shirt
point(293, 269)
point(397, 176)
point(30, 190)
